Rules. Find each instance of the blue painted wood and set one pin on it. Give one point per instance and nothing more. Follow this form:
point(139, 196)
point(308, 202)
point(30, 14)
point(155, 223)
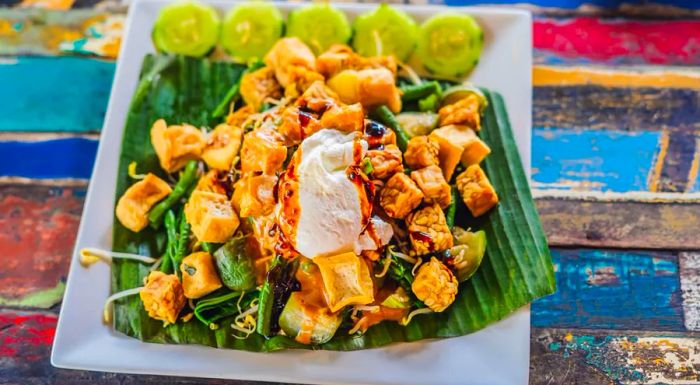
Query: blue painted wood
point(612, 290)
point(599, 160)
point(50, 159)
point(56, 94)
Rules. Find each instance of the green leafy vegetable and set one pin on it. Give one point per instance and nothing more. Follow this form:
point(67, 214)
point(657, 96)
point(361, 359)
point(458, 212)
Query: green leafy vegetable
point(235, 264)
point(216, 306)
point(187, 179)
point(235, 90)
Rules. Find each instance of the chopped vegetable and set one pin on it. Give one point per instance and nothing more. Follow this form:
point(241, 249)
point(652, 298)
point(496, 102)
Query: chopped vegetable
point(385, 31)
point(468, 252)
point(187, 179)
point(251, 29)
point(216, 306)
point(308, 324)
point(429, 103)
point(417, 123)
point(419, 91)
point(199, 276)
point(235, 264)
point(319, 26)
point(279, 285)
point(387, 117)
point(449, 44)
point(452, 208)
point(186, 28)
point(399, 299)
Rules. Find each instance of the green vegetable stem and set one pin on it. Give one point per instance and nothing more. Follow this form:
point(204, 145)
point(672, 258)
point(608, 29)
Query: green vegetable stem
point(235, 89)
point(188, 178)
point(387, 117)
point(171, 244)
point(452, 208)
point(419, 91)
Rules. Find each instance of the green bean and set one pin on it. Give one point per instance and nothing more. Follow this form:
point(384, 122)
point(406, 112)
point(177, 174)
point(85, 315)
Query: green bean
point(387, 117)
point(418, 91)
point(235, 90)
point(267, 299)
point(429, 103)
point(452, 208)
point(181, 246)
point(171, 232)
point(188, 178)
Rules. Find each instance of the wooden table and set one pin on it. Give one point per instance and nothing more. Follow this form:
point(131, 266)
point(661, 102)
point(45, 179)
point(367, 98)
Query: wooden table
point(616, 153)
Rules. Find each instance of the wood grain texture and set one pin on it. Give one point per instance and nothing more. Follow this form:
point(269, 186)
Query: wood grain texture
point(39, 228)
point(612, 289)
point(594, 357)
point(689, 263)
point(630, 224)
point(68, 157)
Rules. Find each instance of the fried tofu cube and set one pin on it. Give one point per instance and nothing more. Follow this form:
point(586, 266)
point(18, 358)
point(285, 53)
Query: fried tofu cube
point(222, 146)
point(422, 151)
point(176, 145)
point(133, 207)
point(346, 280)
point(477, 192)
point(372, 87)
point(257, 195)
point(318, 97)
point(262, 151)
point(428, 231)
point(238, 117)
point(400, 196)
point(464, 112)
point(211, 216)
point(214, 181)
point(474, 150)
point(450, 151)
point(259, 85)
point(199, 275)
point(433, 184)
point(386, 162)
point(286, 55)
point(344, 118)
point(163, 297)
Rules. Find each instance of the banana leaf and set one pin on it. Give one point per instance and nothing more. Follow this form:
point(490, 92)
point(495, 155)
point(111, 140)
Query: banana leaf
point(516, 269)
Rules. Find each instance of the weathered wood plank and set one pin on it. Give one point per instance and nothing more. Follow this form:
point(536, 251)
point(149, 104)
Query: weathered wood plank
point(39, 228)
point(563, 356)
point(602, 107)
point(689, 263)
point(68, 157)
point(620, 41)
point(610, 289)
point(625, 224)
point(602, 160)
point(54, 94)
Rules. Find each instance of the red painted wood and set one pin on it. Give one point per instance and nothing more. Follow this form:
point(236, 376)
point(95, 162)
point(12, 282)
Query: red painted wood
point(656, 42)
point(39, 226)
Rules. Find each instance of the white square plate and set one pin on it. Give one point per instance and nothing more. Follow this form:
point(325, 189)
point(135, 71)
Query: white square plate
point(498, 354)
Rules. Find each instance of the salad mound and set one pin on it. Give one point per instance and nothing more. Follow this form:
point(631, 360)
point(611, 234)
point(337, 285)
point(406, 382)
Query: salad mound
point(325, 196)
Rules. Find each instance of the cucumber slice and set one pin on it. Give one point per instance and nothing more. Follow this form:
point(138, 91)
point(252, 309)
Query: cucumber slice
point(250, 30)
point(449, 44)
point(319, 26)
point(417, 123)
point(186, 28)
point(468, 252)
point(315, 324)
point(385, 31)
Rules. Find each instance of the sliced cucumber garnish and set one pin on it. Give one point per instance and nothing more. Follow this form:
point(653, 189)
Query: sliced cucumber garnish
point(417, 123)
point(449, 44)
point(309, 325)
point(385, 31)
point(251, 29)
point(186, 28)
point(319, 26)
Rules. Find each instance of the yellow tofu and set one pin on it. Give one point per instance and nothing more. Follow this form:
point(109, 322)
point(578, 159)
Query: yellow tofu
point(222, 146)
point(262, 152)
point(211, 216)
point(199, 275)
point(473, 149)
point(346, 280)
point(213, 181)
point(259, 85)
point(163, 297)
point(344, 118)
point(288, 54)
point(477, 192)
point(372, 87)
point(133, 207)
point(176, 145)
point(257, 196)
